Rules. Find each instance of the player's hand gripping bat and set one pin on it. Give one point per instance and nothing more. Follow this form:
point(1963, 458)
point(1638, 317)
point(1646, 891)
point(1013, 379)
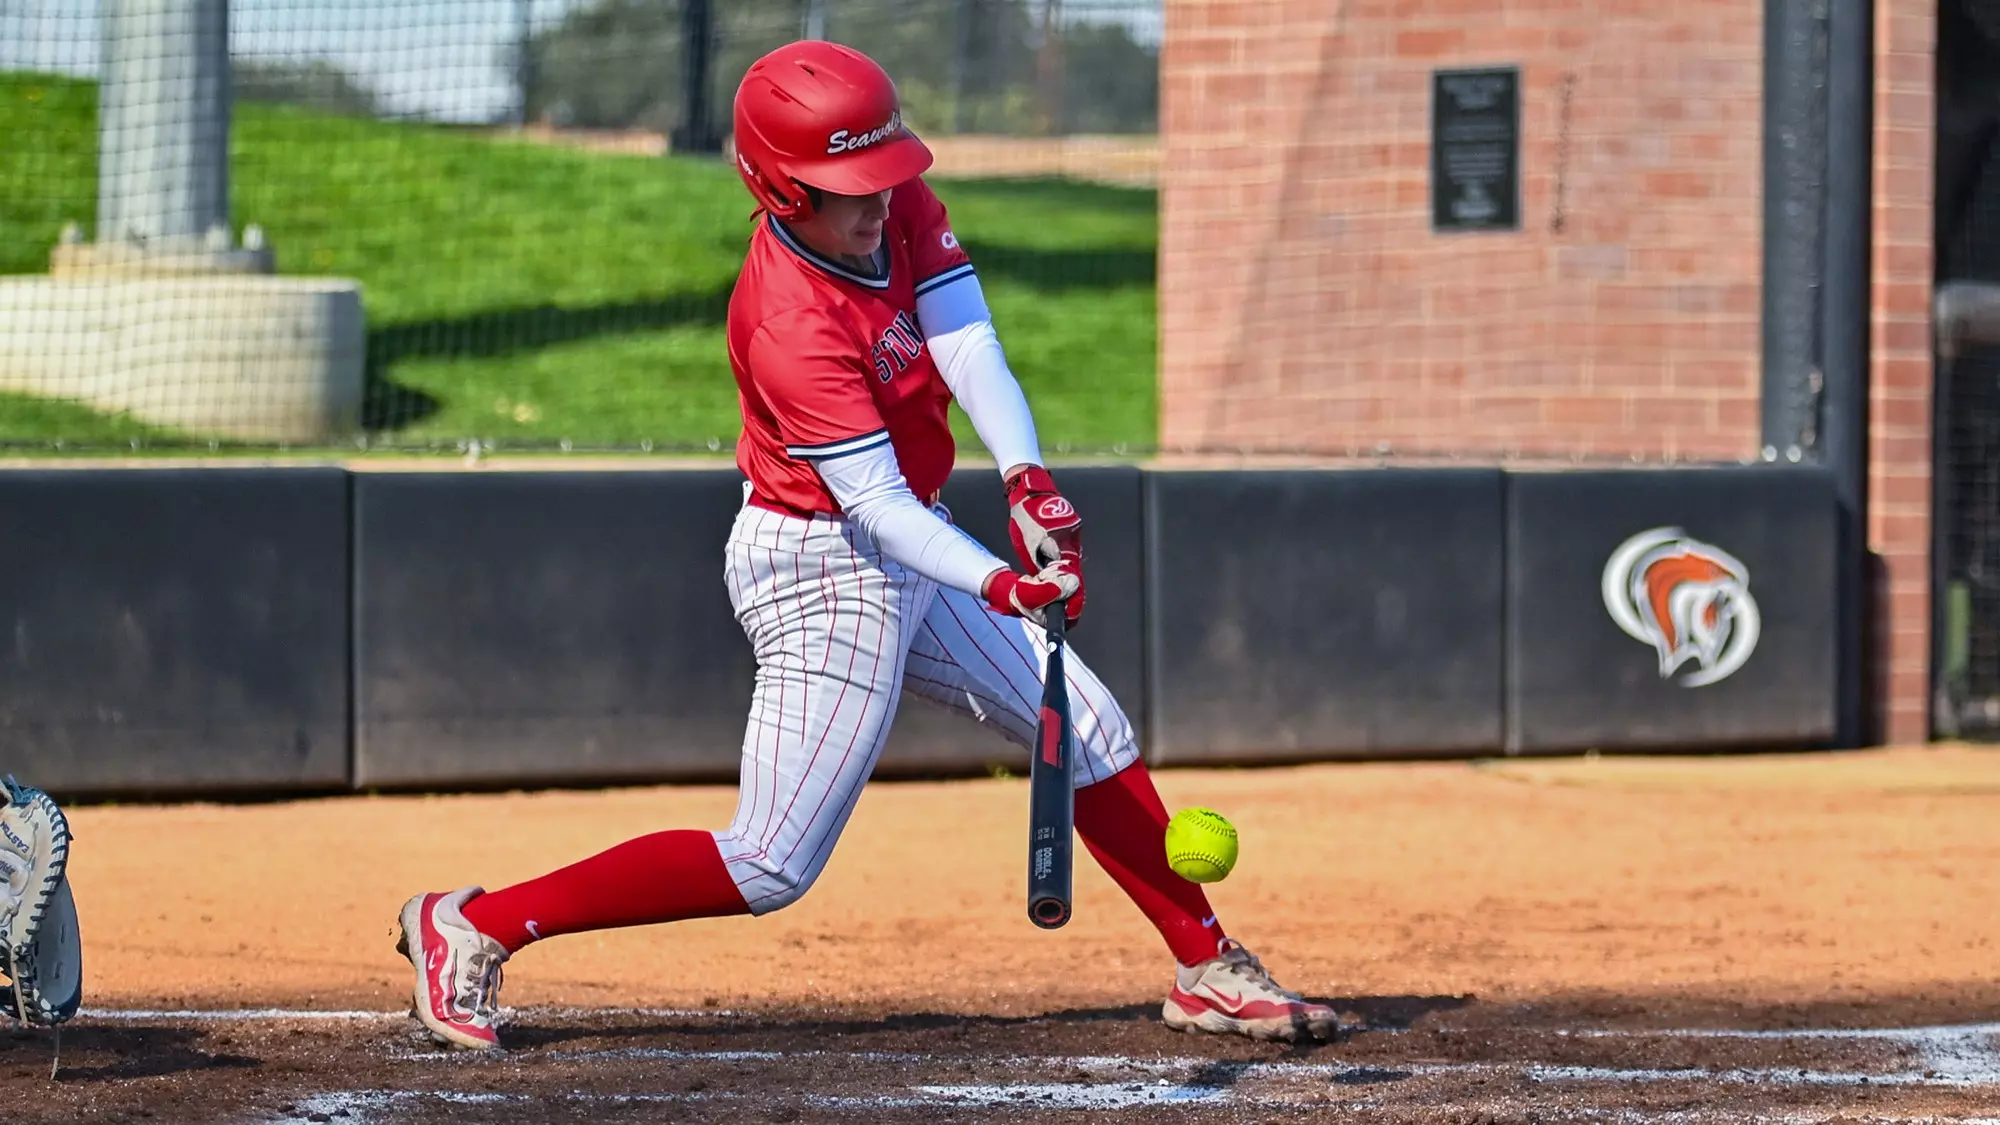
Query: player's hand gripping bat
point(1051, 793)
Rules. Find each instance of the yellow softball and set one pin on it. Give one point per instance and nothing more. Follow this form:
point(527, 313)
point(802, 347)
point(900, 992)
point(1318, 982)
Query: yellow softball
point(1201, 845)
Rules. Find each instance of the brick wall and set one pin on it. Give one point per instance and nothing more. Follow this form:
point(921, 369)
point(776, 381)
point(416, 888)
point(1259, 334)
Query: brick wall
point(1306, 305)
point(1899, 514)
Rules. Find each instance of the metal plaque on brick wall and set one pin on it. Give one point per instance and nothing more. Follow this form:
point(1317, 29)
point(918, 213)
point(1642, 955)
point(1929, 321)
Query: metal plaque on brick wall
point(1476, 149)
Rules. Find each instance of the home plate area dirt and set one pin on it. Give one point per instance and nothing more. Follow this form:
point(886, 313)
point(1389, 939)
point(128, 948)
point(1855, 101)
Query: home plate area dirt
point(1783, 938)
point(1413, 1060)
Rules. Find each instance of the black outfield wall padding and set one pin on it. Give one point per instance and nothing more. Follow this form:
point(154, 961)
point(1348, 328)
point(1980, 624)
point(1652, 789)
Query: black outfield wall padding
point(929, 739)
point(1323, 614)
point(1664, 608)
point(174, 629)
point(546, 627)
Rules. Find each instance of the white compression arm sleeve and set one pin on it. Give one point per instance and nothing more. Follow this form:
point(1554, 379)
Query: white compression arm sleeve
point(872, 492)
point(959, 330)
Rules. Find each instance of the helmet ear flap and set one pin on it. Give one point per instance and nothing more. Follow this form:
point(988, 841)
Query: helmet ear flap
point(778, 203)
point(804, 201)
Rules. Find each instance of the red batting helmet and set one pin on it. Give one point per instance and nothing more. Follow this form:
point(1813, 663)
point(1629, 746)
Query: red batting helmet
point(817, 114)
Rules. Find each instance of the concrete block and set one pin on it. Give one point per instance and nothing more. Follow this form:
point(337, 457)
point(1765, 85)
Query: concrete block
point(240, 356)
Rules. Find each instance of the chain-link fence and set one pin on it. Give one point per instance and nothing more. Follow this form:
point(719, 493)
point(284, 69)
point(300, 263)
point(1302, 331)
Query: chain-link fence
point(528, 207)
point(1968, 436)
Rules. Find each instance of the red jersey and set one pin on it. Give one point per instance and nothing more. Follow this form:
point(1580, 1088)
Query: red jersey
point(829, 360)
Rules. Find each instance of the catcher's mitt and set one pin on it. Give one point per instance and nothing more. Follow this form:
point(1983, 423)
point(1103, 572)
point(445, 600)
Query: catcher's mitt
point(42, 952)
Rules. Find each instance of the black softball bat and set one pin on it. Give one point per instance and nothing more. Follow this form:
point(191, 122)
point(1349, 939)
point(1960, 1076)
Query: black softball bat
point(1051, 793)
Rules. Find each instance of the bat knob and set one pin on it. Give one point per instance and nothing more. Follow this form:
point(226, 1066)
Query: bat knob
point(1049, 913)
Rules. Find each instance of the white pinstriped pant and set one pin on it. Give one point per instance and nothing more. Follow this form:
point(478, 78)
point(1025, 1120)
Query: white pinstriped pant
point(840, 633)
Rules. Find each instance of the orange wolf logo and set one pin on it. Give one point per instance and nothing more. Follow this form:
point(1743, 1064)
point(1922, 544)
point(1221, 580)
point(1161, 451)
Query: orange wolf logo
point(1688, 599)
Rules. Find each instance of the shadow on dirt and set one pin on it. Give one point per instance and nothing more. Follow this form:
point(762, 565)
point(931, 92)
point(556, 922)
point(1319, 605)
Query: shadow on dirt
point(100, 1054)
point(782, 1031)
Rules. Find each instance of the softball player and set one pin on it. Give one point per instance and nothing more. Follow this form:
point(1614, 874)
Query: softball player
point(856, 320)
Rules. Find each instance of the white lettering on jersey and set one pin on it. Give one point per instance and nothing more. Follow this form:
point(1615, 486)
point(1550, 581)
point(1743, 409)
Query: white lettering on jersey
point(840, 140)
point(948, 240)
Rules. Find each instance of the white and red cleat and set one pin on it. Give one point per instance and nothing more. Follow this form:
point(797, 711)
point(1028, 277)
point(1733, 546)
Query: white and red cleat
point(458, 969)
point(1232, 994)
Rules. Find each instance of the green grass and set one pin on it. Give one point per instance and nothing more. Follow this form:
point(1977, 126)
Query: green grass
point(525, 295)
point(46, 421)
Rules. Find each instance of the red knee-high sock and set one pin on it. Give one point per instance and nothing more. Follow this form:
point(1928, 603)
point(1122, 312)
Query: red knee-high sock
point(664, 877)
point(1124, 824)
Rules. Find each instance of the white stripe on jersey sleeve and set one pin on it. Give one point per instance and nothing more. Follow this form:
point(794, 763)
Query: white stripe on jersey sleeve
point(836, 448)
point(946, 277)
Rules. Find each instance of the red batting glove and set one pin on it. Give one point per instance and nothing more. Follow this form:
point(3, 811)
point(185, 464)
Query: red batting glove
point(1030, 595)
point(1044, 526)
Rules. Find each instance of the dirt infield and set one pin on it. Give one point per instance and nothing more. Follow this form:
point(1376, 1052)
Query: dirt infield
point(1789, 937)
